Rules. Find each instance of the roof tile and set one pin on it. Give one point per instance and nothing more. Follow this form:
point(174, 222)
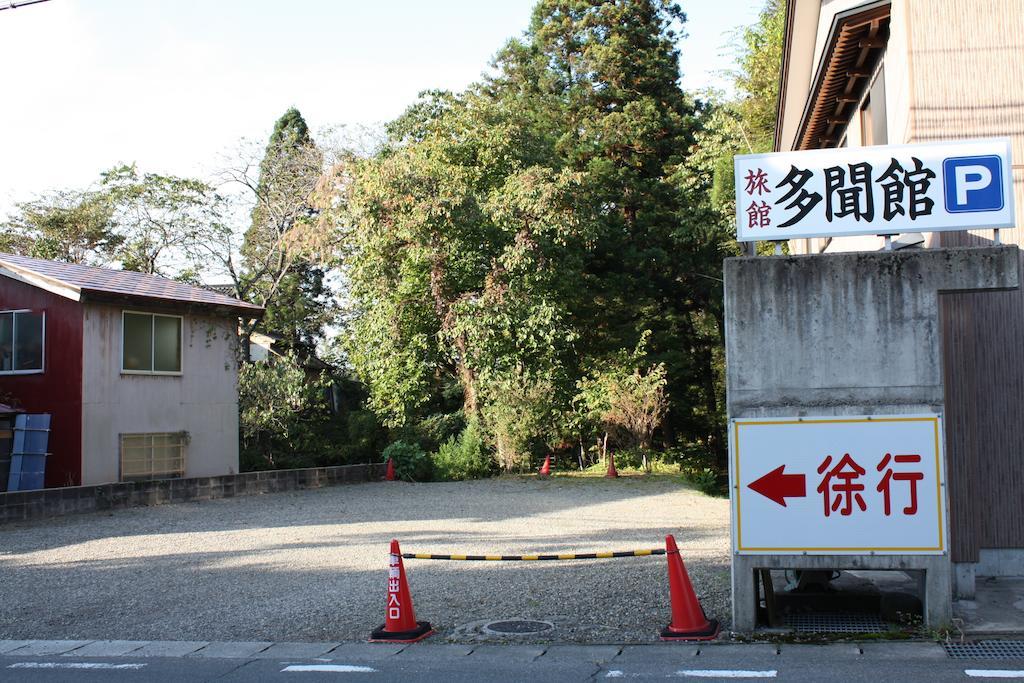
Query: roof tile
point(121, 282)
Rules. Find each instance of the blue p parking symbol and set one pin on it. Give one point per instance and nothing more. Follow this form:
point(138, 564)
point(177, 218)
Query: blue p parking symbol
point(973, 184)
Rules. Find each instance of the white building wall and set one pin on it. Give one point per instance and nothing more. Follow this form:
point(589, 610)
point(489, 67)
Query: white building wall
point(897, 77)
point(202, 401)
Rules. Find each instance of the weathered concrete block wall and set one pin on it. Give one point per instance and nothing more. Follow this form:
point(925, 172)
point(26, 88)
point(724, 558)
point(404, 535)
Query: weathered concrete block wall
point(854, 333)
point(21, 506)
point(846, 334)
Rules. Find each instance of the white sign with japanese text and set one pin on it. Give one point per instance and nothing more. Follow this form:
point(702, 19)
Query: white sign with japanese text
point(838, 485)
point(878, 190)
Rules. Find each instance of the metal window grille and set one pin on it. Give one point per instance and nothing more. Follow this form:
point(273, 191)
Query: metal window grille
point(152, 456)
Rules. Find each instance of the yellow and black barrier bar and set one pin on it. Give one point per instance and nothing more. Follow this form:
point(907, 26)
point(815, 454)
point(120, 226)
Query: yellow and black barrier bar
point(534, 558)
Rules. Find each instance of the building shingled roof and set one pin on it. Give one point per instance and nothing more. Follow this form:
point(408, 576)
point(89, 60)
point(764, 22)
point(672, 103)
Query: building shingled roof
point(94, 282)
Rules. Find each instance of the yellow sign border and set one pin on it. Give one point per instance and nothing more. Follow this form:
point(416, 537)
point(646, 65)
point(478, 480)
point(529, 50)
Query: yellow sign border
point(941, 548)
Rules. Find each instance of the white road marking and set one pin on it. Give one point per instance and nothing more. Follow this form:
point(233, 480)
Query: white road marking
point(994, 673)
point(336, 668)
point(72, 665)
point(614, 673)
point(726, 673)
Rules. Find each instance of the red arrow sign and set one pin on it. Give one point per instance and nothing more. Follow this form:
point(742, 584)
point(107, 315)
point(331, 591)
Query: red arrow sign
point(777, 485)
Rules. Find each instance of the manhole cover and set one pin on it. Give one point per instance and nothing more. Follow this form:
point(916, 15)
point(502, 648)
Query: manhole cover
point(518, 626)
point(986, 649)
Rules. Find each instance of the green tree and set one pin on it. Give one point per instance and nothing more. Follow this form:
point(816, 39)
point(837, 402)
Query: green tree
point(302, 308)
point(71, 226)
point(283, 186)
point(742, 125)
point(159, 219)
point(279, 409)
point(276, 261)
point(626, 397)
point(757, 78)
point(511, 235)
point(292, 285)
point(455, 242)
point(604, 77)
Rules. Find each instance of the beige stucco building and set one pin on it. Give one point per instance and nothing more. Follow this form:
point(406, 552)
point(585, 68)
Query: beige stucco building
point(912, 71)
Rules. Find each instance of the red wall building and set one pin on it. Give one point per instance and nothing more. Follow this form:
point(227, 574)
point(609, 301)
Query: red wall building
point(57, 390)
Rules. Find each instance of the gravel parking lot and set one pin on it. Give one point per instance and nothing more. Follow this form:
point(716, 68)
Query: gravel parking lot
point(311, 565)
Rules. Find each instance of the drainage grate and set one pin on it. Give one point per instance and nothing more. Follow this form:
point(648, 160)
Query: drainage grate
point(986, 649)
point(836, 622)
point(518, 626)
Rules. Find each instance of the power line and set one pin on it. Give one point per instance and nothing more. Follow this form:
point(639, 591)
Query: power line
point(15, 4)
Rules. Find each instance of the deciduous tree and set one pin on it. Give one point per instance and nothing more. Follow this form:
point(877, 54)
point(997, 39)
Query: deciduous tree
point(71, 225)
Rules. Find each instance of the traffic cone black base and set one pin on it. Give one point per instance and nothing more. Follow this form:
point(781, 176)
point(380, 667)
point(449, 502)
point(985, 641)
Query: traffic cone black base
point(689, 622)
point(710, 632)
point(400, 624)
point(422, 630)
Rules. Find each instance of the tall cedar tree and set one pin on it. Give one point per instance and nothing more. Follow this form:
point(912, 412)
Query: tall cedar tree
point(301, 306)
point(603, 77)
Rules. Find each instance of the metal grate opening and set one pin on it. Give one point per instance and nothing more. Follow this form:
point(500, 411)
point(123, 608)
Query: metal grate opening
point(836, 622)
point(986, 649)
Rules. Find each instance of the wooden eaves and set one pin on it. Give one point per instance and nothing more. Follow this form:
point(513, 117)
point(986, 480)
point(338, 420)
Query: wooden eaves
point(855, 46)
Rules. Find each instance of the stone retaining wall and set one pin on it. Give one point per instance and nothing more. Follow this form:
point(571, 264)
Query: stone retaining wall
point(19, 506)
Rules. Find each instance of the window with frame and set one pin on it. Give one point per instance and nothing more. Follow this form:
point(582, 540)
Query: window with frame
point(153, 456)
point(150, 343)
point(22, 336)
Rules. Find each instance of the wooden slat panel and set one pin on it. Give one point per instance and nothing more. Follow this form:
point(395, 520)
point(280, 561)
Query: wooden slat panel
point(984, 376)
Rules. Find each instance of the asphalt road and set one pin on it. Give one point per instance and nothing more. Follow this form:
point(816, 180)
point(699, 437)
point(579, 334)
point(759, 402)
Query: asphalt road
point(870, 662)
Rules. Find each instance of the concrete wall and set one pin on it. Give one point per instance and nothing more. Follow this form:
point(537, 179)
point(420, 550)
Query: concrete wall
point(202, 401)
point(846, 334)
point(21, 506)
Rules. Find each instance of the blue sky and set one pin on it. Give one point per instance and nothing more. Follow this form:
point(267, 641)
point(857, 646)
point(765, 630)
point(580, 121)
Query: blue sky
point(172, 84)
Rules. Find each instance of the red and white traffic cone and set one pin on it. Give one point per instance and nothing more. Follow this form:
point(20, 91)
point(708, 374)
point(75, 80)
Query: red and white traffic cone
point(612, 473)
point(688, 619)
point(400, 625)
point(389, 473)
point(545, 469)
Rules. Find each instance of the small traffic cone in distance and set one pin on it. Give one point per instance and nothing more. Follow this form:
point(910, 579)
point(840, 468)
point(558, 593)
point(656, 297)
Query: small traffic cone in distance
point(688, 619)
point(612, 473)
point(545, 469)
point(389, 473)
point(400, 625)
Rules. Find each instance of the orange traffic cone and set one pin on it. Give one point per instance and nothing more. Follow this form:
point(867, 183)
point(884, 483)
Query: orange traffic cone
point(688, 619)
point(389, 473)
point(545, 469)
point(612, 473)
point(400, 625)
